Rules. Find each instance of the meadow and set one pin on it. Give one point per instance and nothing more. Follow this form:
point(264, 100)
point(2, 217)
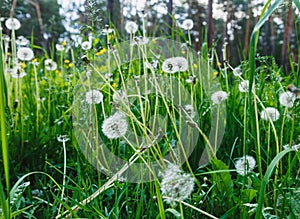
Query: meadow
point(146, 128)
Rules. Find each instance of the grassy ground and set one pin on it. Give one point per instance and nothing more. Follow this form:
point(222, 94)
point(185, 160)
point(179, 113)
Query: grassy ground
point(122, 129)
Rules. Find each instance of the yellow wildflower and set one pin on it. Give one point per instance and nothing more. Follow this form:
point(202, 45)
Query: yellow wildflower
point(100, 52)
point(67, 61)
point(71, 65)
point(216, 73)
point(24, 65)
point(64, 43)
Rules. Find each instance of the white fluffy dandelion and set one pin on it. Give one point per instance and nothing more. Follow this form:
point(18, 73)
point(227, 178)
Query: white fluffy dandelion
point(50, 65)
point(176, 184)
point(93, 96)
point(270, 113)
point(237, 71)
point(189, 109)
point(86, 45)
point(59, 47)
point(25, 54)
point(131, 27)
point(12, 24)
point(188, 24)
point(244, 86)
point(219, 96)
point(175, 64)
point(115, 126)
point(245, 164)
point(287, 99)
point(22, 41)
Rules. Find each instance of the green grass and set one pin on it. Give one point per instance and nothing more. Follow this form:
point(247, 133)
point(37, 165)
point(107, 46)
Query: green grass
point(64, 175)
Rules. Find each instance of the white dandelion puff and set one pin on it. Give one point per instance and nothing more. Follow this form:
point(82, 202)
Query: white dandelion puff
point(219, 96)
point(25, 54)
point(244, 86)
point(93, 96)
point(244, 165)
point(50, 65)
point(115, 126)
point(189, 109)
point(131, 27)
point(59, 47)
point(237, 71)
point(287, 99)
point(22, 41)
point(176, 185)
point(119, 96)
point(12, 24)
point(270, 113)
point(86, 45)
point(175, 64)
point(188, 24)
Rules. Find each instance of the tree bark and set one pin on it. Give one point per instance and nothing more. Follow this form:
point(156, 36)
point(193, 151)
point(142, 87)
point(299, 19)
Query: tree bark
point(169, 18)
point(286, 37)
point(210, 23)
point(247, 31)
point(109, 7)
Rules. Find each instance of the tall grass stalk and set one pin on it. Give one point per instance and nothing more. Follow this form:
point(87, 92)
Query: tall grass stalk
point(3, 105)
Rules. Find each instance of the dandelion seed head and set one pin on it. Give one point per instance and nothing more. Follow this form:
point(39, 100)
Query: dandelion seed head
point(50, 65)
point(12, 24)
point(115, 126)
point(287, 99)
point(237, 71)
point(245, 164)
point(270, 113)
point(219, 96)
point(22, 41)
point(93, 97)
point(86, 45)
point(176, 184)
point(175, 64)
point(189, 109)
point(244, 86)
point(25, 54)
point(59, 47)
point(131, 27)
point(188, 24)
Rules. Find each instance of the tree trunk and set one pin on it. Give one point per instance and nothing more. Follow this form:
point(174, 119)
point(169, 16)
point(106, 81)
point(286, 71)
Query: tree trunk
point(109, 7)
point(169, 18)
point(247, 31)
point(210, 23)
point(287, 36)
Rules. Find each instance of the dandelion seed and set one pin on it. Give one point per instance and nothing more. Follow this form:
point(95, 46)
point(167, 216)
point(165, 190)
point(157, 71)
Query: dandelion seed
point(175, 64)
point(115, 126)
point(245, 165)
point(59, 47)
point(140, 41)
point(22, 41)
point(131, 27)
point(63, 138)
point(270, 113)
point(176, 184)
point(25, 54)
point(287, 99)
point(18, 74)
point(188, 24)
point(218, 97)
point(109, 77)
point(107, 31)
point(189, 109)
point(244, 86)
point(86, 45)
point(93, 96)
point(119, 96)
point(237, 71)
point(50, 65)
point(191, 80)
point(12, 24)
